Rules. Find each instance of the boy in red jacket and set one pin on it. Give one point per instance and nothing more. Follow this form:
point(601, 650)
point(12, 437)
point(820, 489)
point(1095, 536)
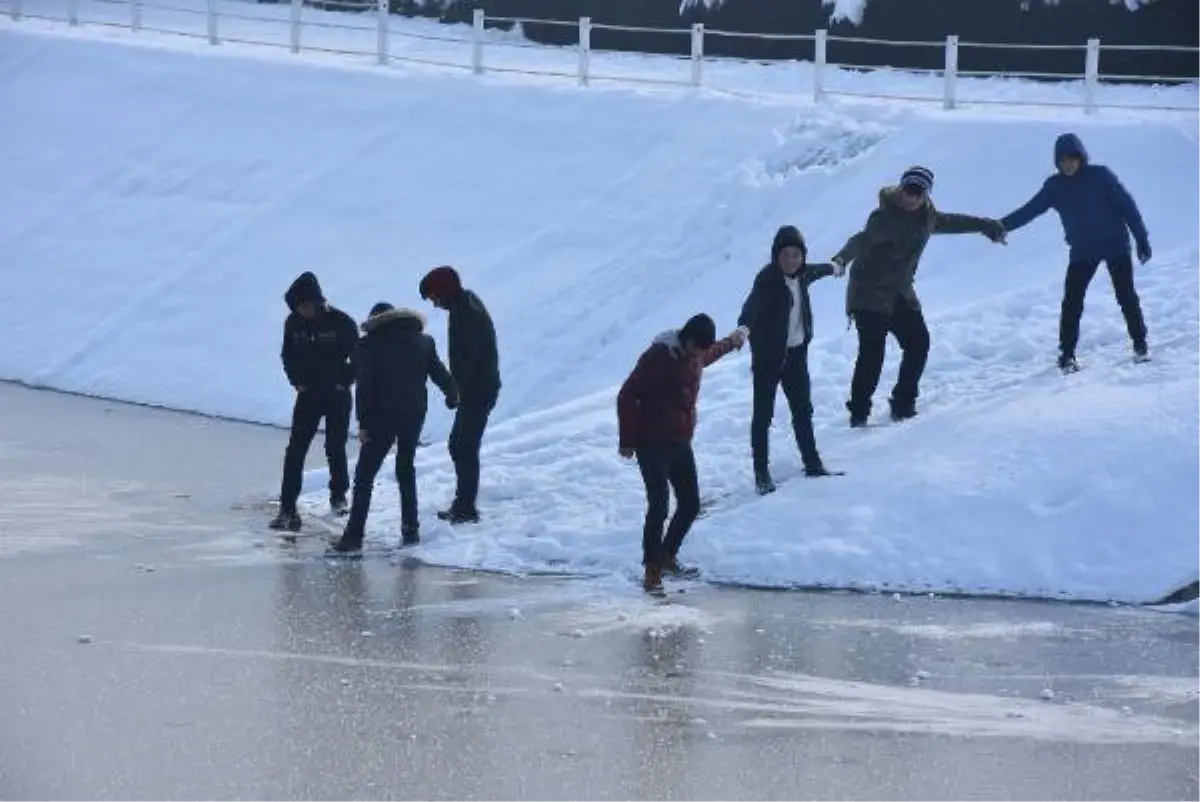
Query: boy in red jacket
point(656, 413)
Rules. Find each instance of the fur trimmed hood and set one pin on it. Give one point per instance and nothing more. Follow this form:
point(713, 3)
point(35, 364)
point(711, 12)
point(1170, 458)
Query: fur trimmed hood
point(409, 316)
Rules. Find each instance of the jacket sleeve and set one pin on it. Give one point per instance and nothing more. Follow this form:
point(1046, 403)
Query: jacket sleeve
point(348, 344)
point(817, 272)
point(861, 242)
point(629, 401)
point(718, 349)
point(752, 305)
point(364, 387)
point(437, 371)
point(1128, 208)
point(1038, 205)
point(467, 346)
point(950, 223)
point(287, 355)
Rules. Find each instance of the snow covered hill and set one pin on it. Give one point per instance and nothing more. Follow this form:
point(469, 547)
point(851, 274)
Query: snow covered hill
point(158, 207)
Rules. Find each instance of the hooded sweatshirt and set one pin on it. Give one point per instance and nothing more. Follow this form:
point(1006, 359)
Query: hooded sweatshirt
point(317, 354)
point(1096, 210)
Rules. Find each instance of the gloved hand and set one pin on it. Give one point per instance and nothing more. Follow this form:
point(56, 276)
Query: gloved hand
point(994, 230)
point(740, 335)
point(451, 402)
point(1143, 252)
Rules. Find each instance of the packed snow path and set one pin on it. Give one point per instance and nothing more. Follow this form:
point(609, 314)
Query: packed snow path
point(147, 261)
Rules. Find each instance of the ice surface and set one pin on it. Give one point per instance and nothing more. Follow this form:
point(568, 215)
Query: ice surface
point(147, 259)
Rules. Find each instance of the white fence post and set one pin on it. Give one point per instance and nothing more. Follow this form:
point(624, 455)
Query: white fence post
point(585, 48)
point(135, 15)
point(1091, 76)
point(951, 73)
point(14, 9)
point(212, 22)
point(819, 55)
point(697, 52)
point(382, 33)
point(477, 42)
point(294, 26)
point(73, 12)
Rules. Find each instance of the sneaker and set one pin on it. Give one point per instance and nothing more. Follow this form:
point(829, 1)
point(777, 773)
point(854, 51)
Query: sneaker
point(286, 520)
point(674, 568)
point(902, 411)
point(1067, 363)
point(410, 534)
point(858, 414)
point(763, 483)
point(816, 470)
point(457, 515)
point(337, 505)
point(347, 547)
point(1141, 353)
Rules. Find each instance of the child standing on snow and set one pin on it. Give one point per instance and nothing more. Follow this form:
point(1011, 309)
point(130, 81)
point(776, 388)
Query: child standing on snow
point(656, 413)
point(393, 363)
point(1097, 215)
point(778, 315)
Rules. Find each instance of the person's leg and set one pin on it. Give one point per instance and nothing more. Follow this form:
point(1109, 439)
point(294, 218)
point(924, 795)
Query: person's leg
point(1079, 276)
point(765, 384)
point(406, 477)
point(654, 464)
point(470, 422)
point(797, 387)
point(337, 408)
point(1120, 271)
point(306, 417)
point(681, 474)
point(370, 458)
point(911, 333)
point(872, 344)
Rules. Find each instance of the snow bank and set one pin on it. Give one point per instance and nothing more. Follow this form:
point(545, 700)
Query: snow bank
point(151, 230)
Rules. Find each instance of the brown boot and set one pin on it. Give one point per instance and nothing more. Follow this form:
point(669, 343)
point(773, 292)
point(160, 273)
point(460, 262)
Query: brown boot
point(652, 583)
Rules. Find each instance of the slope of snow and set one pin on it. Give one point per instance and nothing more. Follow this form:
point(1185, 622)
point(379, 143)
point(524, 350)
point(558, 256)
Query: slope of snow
point(151, 231)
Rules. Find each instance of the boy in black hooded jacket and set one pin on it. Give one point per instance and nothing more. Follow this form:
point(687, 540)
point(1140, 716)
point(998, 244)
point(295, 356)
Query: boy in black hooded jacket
point(778, 315)
point(318, 347)
point(393, 363)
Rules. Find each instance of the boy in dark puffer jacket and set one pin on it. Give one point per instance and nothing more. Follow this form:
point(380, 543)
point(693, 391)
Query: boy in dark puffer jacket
point(394, 361)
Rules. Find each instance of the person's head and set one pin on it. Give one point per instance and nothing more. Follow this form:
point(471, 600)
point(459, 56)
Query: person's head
point(304, 297)
point(916, 185)
point(1069, 154)
point(441, 286)
point(698, 334)
point(788, 250)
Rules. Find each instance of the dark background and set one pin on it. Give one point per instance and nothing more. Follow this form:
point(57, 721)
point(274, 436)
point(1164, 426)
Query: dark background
point(1070, 22)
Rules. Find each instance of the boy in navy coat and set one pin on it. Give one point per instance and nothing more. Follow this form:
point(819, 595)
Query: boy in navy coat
point(1098, 214)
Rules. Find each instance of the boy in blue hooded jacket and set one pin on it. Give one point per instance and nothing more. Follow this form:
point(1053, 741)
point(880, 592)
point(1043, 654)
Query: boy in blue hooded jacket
point(1098, 214)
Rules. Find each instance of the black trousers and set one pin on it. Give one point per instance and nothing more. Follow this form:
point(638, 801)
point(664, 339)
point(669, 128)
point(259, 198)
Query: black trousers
point(404, 434)
point(907, 325)
point(666, 467)
point(793, 376)
point(309, 409)
point(1079, 276)
point(466, 438)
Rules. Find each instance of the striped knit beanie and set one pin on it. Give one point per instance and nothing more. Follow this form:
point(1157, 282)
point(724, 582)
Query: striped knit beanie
point(918, 178)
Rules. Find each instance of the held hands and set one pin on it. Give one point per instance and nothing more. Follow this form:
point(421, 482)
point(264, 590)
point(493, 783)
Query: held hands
point(451, 402)
point(739, 336)
point(839, 267)
point(994, 230)
point(626, 452)
point(362, 437)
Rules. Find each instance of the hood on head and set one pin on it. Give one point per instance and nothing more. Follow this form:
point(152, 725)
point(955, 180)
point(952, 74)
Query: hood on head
point(383, 314)
point(1069, 145)
point(304, 288)
point(787, 237)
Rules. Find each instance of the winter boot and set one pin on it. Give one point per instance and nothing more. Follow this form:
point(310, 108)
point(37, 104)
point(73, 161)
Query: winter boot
point(1067, 363)
point(349, 547)
point(338, 506)
point(459, 515)
point(286, 520)
point(652, 581)
point(410, 534)
point(816, 470)
point(858, 414)
point(1141, 353)
point(763, 483)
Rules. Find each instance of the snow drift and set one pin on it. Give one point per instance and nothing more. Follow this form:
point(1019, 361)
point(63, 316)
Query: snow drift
point(151, 231)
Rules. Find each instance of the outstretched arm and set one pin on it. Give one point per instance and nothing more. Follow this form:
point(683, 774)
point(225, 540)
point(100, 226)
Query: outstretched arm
point(441, 377)
point(1038, 205)
point(817, 272)
point(949, 223)
point(719, 349)
point(1129, 211)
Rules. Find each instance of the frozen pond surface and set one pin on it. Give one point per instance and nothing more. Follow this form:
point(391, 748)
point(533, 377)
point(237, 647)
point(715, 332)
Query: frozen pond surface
point(216, 668)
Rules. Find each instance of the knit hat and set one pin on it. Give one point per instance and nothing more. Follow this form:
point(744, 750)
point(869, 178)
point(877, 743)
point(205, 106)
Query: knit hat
point(700, 331)
point(380, 308)
point(442, 283)
point(788, 237)
point(920, 178)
